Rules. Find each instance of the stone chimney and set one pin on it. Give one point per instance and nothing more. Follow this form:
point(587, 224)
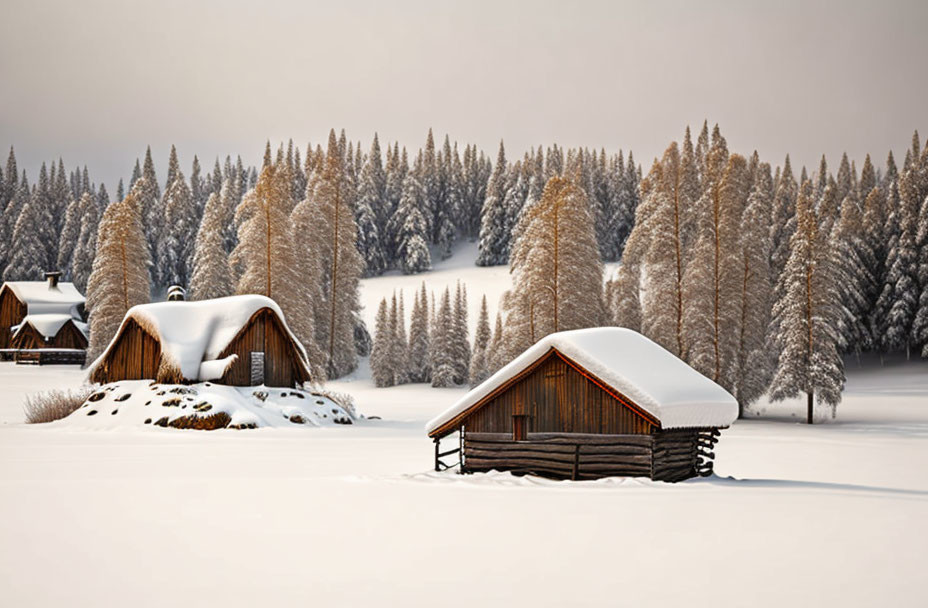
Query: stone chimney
point(176, 293)
point(52, 278)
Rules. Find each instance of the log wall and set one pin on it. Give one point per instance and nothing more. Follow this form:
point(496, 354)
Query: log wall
point(69, 336)
point(672, 455)
point(12, 312)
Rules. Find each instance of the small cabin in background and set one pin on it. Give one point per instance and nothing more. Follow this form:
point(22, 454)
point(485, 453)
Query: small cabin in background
point(586, 404)
point(42, 321)
point(239, 341)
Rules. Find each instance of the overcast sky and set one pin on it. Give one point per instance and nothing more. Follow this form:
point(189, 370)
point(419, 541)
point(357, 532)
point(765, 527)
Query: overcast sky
point(95, 81)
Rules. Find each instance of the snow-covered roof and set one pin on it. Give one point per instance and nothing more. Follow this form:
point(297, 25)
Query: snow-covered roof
point(49, 324)
point(40, 297)
point(654, 379)
point(193, 334)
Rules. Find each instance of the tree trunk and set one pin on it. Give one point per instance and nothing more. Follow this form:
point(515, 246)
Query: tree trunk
point(809, 400)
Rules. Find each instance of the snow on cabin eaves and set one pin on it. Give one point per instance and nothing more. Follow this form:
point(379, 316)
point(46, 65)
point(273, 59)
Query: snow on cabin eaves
point(48, 325)
point(653, 378)
point(41, 298)
point(193, 333)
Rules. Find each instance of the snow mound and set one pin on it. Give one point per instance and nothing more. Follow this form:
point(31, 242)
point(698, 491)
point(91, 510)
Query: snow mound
point(206, 406)
point(651, 376)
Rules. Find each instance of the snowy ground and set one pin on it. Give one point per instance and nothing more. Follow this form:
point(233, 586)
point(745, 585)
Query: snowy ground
point(350, 515)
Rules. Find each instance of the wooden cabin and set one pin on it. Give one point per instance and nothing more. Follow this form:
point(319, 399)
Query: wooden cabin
point(239, 340)
point(42, 315)
point(587, 404)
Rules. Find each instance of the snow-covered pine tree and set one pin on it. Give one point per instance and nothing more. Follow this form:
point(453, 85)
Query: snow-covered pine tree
point(400, 343)
point(783, 221)
point(442, 348)
point(120, 278)
point(14, 208)
point(900, 294)
point(412, 247)
point(369, 216)
point(492, 239)
point(70, 233)
point(808, 315)
point(33, 231)
point(265, 252)
point(120, 190)
point(179, 231)
point(478, 362)
point(675, 193)
point(418, 355)
point(853, 268)
point(229, 197)
point(495, 359)
point(753, 362)
point(920, 325)
point(444, 229)
point(382, 352)
point(198, 188)
point(332, 230)
point(460, 342)
point(397, 168)
point(713, 271)
point(212, 275)
point(556, 268)
point(149, 202)
point(27, 253)
point(86, 248)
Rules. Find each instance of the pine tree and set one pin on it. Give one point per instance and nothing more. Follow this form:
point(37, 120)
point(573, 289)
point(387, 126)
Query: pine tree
point(412, 250)
point(419, 343)
point(807, 315)
point(28, 245)
point(120, 278)
point(460, 343)
point(396, 171)
point(212, 275)
point(13, 209)
point(442, 348)
point(371, 203)
point(753, 364)
point(70, 233)
point(712, 273)
point(333, 232)
point(493, 240)
point(175, 253)
point(86, 248)
point(478, 362)
point(400, 344)
point(149, 202)
point(900, 292)
point(32, 233)
point(556, 268)
point(382, 352)
point(265, 252)
point(675, 193)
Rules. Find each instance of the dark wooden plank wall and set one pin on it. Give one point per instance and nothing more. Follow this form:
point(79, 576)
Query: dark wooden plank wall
point(263, 333)
point(28, 337)
point(557, 398)
point(12, 312)
point(135, 356)
point(69, 336)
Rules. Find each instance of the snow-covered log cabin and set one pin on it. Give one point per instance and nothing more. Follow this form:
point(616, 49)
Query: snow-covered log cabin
point(586, 404)
point(42, 316)
point(239, 341)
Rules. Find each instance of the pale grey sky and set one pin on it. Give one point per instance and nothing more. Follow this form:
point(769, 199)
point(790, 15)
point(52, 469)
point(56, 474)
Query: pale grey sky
point(94, 81)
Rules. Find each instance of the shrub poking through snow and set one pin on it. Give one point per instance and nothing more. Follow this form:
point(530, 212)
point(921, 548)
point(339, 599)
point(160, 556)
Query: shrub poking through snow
point(207, 406)
point(56, 404)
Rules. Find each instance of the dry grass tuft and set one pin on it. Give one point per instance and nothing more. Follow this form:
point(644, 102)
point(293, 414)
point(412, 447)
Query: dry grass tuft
point(54, 405)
